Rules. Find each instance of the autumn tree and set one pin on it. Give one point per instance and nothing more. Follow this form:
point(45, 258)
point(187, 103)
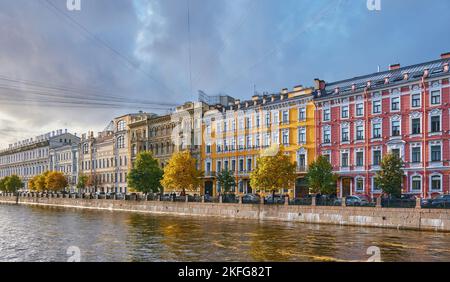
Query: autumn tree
point(273, 172)
point(146, 175)
point(390, 176)
point(320, 177)
point(226, 180)
point(56, 181)
point(13, 183)
point(92, 181)
point(181, 173)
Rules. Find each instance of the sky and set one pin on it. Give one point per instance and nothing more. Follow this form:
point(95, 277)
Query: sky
point(77, 69)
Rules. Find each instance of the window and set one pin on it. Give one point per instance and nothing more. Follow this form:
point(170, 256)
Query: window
point(415, 126)
point(301, 114)
point(301, 135)
point(121, 125)
point(344, 159)
point(359, 159)
point(416, 183)
point(249, 164)
point(241, 165)
point(344, 134)
point(233, 165)
point(344, 112)
point(435, 153)
point(396, 152)
point(376, 107)
point(395, 103)
point(359, 109)
point(376, 157)
point(326, 114)
point(285, 116)
point(415, 154)
point(435, 124)
point(258, 120)
point(285, 137)
point(359, 132)
point(375, 186)
point(395, 127)
point(326, 135)
point(415, 100)
point(376, 131)
point(436, 182)
point(267, 119)
point(301, 160)
point(120, 142)
point(435, 97)
point(359, 184)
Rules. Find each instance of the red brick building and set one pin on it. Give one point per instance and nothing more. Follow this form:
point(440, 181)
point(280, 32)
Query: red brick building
point(405, 110)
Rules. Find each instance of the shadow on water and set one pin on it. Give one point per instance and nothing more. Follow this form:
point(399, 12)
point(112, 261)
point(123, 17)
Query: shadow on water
point(32, 233)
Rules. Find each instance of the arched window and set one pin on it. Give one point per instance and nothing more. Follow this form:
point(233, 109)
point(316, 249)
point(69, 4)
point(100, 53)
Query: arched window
point(121, 125)
point(416, 183)
point(120, 142)
point(436, 182)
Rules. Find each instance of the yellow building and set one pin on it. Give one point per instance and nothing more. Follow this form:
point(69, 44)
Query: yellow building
point(235, 135)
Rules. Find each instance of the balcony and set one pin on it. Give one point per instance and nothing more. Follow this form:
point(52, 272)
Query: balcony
point(210, 173)
point(301, 168)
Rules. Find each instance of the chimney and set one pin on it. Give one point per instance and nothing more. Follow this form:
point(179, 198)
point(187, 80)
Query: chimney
point(445, 55)
point(336, 90)
point(284, 91)
point(319, 84)
point(237, 102)
point(272, 98)
point(394, 67)
point(405, 76)
point(446, 67)
point(426, 72)
point(353, 87)
point(386, 80)
point(255, 97)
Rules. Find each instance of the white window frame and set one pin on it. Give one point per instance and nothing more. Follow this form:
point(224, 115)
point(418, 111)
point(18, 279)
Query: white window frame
point(329, 114)
point(348, 111)
point(420, 100)
point(359, 177)
point(360, 150)
point(399, 103)
point(435, 143)
point(300, 111)
point(381, 106)
point(396, 118)
point(356, 108)
point(415, 115)
point(377, 121)
point(411, 183)
point(431, 182)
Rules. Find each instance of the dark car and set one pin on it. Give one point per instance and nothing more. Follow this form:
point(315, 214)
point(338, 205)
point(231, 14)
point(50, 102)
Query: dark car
point(251, 199)
point(274, 199)
point(442, 201)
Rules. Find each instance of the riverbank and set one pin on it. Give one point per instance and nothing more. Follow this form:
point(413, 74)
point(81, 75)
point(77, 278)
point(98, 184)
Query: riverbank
point(398, 218)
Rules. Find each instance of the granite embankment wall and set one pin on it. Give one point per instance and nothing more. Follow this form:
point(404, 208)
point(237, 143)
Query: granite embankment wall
point(399, 218)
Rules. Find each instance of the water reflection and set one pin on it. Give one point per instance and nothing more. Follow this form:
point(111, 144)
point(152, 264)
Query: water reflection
point(45, 233)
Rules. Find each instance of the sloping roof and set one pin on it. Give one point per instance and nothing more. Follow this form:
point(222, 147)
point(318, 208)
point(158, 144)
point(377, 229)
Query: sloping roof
point(377, 79)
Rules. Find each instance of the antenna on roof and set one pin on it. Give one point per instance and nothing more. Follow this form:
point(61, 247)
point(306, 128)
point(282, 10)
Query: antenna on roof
point(378, 68)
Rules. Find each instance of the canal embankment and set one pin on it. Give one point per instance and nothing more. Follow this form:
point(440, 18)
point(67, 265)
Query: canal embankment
point(398, 218)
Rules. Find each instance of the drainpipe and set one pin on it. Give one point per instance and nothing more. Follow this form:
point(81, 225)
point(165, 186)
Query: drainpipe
point(366, 130)
point(424, 126)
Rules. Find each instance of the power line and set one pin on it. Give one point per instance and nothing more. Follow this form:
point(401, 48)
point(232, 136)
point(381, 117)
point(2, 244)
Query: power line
point(324, 12)
point(103, 43)
point(190, 53)
point(67, 92)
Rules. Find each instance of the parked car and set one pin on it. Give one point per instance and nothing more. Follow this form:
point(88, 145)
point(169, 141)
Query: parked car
point(208, 198)
point(352, 201)
point(251, 199)
point(442, 201)
point(274, 199)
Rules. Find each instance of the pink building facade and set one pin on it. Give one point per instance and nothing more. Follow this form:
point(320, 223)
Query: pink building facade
point(405, 110)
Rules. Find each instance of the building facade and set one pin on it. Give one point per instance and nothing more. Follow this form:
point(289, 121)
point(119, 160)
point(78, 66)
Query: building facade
point(234, 136)
point(106, 158)
point(404, 110)
point(32, 157)
point(65, 159)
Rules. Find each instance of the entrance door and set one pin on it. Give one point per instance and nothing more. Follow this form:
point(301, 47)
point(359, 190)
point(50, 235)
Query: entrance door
point(209, 188)
point(346, 182)
point(301, 188)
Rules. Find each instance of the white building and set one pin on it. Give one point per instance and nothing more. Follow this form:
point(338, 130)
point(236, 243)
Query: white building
point(31, 157)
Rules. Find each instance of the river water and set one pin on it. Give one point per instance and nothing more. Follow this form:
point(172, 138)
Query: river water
point(33, 233)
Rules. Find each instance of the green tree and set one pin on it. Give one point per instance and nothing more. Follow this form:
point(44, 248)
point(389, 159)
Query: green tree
point(13, 183)
point(390, 176)
point(145, 176)
point(3, 184)
point(273, 172)
point(226, 180)
point(320, 177)
point(82, 182)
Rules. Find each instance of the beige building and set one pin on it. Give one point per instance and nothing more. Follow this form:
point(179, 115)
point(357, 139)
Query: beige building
point(106, 158)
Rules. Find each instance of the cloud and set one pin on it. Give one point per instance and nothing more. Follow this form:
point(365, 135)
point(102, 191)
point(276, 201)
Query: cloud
point(235, 45)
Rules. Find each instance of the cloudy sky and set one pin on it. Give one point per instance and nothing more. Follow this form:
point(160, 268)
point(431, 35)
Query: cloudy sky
point(78, 69)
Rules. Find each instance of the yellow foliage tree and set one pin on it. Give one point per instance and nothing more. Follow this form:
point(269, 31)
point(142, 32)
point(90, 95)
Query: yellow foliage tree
point(273, 172)
point(38, 183)
point(55, 181)
point(181, 173)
